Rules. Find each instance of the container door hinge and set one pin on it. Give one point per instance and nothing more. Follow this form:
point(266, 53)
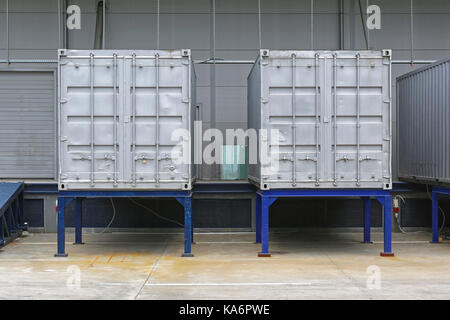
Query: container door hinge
point(387, 100)
point(109, 157)
point(265, 100)
point(81, 157)
point(143, 157)
point(185, 100)
point(344, 158)
point(63, 138)
point(308, 158)
point(63, 100)
point(387, 139)
point(286, 158)
point(166, 157)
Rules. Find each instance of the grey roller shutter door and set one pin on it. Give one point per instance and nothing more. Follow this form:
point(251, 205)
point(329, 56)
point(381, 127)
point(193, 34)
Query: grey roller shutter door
point(27, 124)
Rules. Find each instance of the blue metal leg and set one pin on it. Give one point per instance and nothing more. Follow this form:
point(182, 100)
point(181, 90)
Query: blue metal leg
point(23, 224)
point(61, 230)
point(258, 218)
point(387, 227)
point(2, 237)
point(16, 214)
point(6, 232)
point(367, 207)
point(187, 227)
point(435, 216)
point(266, 202)
point(192, 226)
point(11, 221)
point(78, 221)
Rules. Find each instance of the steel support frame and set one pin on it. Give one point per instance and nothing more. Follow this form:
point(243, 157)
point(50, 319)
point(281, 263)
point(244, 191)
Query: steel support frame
point(264, 199)
point(65, 197)
point(12, 217)
point(436, 194)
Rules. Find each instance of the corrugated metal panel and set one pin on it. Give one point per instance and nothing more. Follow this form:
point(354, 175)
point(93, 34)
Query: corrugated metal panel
point(332, 110)
point(118, 112)
point(423, 99)
point(27, 124)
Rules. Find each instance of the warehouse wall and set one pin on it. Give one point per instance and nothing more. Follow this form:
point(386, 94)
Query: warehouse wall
point(226, 214)
point(33, 34)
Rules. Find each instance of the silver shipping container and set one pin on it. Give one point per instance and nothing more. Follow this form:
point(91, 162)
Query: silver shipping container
point(423, 106)
point(332, 110)
point(118, 110)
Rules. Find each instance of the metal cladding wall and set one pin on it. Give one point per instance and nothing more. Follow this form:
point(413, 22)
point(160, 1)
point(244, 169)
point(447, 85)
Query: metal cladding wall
point(33, 34)
point(332, 110)
point(118, 111)
point(27, 124)
point(423, 101)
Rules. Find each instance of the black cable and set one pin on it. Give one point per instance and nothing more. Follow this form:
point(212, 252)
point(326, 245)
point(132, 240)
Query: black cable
point(363, 24)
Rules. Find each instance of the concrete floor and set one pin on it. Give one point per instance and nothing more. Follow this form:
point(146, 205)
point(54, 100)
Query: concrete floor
point(304, 265)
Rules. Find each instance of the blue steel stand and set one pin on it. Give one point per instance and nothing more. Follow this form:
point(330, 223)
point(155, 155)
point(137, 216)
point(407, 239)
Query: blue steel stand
point(436, 194)
point(258, 217)
point(61, 245)
point(367, 208)
point(65, 197)
point(78, 221)
point(264, 199)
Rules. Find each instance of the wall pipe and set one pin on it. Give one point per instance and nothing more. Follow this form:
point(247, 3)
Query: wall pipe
point(363, 24)
point(341, 24)
point(212, 78)
point(99, 24)
point(103, 23)
point(216, 61)
point(62, 28)
point(28, 61)
point(252, 61)
point(312, 25)
point(65, 30)
point(413, 61)
point(212, 61)
point(412, 32)
point(59, 23)
point(259, 25)
point(368, 30)
point(157, 27)
point(7, 32)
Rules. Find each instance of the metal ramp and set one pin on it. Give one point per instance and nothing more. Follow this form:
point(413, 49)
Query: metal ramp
point(11, 211)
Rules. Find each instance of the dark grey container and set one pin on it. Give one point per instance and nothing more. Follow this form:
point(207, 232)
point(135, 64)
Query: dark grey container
point(423, 104)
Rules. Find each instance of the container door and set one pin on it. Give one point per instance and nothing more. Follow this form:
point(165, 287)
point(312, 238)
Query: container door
point(292, 104)
point(90, 131)
point(360, 113)
point(332, 113)
point(157, 115)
